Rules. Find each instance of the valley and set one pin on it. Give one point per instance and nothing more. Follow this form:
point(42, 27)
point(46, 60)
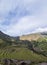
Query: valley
point(32, 47)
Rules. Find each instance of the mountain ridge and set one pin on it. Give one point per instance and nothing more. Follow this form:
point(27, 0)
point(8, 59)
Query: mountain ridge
point(27, 47)
point(33, 36)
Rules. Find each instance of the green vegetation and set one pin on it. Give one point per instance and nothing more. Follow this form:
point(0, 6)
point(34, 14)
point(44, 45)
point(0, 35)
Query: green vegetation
point(14, 48)
point(40, 46)
point(21, 53)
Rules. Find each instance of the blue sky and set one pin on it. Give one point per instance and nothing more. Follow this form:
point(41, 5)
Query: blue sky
point(19, 17)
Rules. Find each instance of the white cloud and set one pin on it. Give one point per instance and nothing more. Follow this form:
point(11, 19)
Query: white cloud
point(7, 5)
point(40, 30)
point(25, 25)
point(30, 16)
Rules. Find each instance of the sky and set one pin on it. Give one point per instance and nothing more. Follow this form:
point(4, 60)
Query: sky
point(21, 17)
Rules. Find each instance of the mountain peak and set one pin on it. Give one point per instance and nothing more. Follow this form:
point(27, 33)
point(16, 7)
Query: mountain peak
point(0, 31)
point(4, 36)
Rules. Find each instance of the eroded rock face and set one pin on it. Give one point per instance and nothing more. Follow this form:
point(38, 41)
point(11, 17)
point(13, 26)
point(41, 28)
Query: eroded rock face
point(23, 63)
point(15, 62)
point(6, 62)
point(42, 64)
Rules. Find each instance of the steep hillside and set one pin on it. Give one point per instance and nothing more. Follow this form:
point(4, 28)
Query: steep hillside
point(5, 40)
point(34, 37)
point(4, 36)
point(28, 47)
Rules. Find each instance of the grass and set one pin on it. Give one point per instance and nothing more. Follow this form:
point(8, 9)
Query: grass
point(21, 54)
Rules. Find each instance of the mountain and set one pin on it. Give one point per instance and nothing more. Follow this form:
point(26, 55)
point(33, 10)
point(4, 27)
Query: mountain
point(34, 36)
point(4, 36)
point(27, 47)
point(44, 33)
point(5, 39)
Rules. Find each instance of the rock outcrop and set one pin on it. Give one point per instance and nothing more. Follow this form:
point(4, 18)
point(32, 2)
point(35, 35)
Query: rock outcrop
point(15, 62)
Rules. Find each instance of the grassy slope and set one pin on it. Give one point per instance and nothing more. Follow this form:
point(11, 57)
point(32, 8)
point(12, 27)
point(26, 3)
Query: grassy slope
point(31, 37)
point(24, 53)
point(21, 53)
